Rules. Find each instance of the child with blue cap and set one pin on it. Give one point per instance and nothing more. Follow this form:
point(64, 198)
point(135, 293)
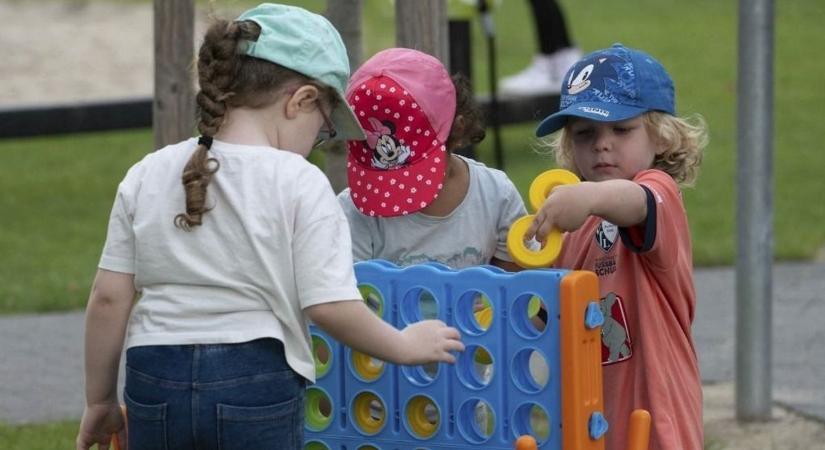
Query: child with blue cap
point(220, 249)
point(627, 223)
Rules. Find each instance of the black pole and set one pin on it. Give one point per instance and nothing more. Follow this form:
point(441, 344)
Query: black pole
point(461, 62)
point(489, 32)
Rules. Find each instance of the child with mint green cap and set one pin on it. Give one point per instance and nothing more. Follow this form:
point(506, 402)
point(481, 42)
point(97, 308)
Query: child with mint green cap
point(221, 248)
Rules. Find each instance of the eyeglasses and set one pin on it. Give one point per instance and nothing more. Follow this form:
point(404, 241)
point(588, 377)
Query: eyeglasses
point(327, 132)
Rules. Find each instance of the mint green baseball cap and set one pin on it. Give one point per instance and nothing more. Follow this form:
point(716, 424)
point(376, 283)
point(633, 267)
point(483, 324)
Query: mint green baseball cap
point(308, 44)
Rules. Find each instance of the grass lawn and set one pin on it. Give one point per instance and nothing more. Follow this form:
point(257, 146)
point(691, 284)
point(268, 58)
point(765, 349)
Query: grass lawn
point(51, 436)
point(55, 192)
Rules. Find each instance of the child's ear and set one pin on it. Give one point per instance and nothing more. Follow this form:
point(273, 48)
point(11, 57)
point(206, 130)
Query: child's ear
point(456, 138)
point(459, 123)
point(305, 99)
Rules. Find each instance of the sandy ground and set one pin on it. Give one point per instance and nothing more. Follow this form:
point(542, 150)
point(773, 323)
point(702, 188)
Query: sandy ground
point(92, 50)
point(73, 51)
point(77, 50)
point(786, 431)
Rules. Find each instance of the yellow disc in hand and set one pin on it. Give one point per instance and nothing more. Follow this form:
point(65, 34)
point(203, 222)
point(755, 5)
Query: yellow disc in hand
point(526, 257)
point(539, 190)
point(544, 183)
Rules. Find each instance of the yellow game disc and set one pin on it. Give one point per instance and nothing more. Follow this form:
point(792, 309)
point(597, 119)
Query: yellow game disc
point(423, 416)
point(539, 190)
point(369, 368)
point(484, 317)
point(525, 257)
point(544, 183)
point(369, 412)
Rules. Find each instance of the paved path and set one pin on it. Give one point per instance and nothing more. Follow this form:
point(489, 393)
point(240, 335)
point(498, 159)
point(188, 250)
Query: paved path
point(798, 332)
point(41, 364)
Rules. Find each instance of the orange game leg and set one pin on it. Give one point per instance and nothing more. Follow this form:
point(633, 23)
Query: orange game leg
point(638, 430)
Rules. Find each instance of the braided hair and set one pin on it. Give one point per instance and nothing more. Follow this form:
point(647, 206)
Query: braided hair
point(229, 78)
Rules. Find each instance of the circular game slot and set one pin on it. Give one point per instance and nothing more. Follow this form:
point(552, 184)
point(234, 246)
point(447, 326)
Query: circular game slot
point(369, 413)
point(366, 367)
point(317, 409)
point(315, 445)
point(373, 298)
point(475, 367)
point(430, 370)
point(474, 313)
point(476, 420)
point(532, 419)
point(421, 375)
point(423, 417)
point(419, 304)
point(525, 316)
point(322, 354)
point(530, 370)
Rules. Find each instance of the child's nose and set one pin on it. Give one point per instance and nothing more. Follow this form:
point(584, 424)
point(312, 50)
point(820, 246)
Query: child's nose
point(601, 142)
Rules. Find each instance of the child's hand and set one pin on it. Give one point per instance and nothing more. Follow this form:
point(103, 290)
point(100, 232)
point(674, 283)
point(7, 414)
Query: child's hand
point(430, 341)
point(566, 208)
point(99, 422)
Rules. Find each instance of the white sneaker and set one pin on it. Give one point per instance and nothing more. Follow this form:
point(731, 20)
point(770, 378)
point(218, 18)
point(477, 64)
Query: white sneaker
point(543, 76)
point(563, 60)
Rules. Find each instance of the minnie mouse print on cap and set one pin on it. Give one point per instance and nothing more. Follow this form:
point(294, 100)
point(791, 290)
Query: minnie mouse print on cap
point(405, 102)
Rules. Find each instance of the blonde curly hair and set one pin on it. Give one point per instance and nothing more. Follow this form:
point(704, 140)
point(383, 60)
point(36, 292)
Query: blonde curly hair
point(683, 140)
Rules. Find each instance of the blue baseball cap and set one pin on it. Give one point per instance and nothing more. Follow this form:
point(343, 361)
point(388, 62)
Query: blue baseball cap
point(612, 84)
point(308, 44)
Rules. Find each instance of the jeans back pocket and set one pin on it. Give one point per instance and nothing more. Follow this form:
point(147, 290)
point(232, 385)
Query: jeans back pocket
point(278, 426)
point(146, 425)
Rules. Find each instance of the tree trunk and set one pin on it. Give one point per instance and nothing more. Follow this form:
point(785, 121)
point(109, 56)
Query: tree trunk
point(345, 15)
point(173, 111)
point(422, 25)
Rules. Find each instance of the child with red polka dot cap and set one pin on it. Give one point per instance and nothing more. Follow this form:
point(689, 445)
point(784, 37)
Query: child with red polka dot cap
point(410, 199)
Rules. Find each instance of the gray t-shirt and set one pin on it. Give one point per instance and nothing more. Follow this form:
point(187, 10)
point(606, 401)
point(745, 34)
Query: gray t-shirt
point(474, 233)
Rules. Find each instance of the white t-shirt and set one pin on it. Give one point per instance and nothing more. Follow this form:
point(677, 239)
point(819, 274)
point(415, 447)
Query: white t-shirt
point(274, 243)
point(472, 234)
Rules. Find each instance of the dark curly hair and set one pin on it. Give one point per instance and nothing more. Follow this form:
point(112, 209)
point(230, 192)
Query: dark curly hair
point(468, 124)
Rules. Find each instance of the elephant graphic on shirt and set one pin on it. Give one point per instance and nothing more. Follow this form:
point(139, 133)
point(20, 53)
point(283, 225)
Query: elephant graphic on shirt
point(614, 335)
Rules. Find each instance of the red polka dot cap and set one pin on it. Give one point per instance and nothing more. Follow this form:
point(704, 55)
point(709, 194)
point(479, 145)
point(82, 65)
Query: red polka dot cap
point(405, 102)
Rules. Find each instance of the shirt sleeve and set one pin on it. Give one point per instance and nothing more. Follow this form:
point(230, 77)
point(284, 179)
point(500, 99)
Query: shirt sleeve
point(119, 249)
point(321, 248)
point(361, 231)
point(664, 234)
point(512, 208)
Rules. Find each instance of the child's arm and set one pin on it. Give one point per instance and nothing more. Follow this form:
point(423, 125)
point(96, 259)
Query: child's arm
point(510, 208)
point(107, 316)
point(620, 202)
point(353, 324)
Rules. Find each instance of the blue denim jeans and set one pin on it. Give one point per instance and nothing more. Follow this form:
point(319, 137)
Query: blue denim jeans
point(213, 397)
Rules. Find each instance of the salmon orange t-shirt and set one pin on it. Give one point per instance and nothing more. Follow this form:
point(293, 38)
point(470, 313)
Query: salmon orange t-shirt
point(647, 296)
